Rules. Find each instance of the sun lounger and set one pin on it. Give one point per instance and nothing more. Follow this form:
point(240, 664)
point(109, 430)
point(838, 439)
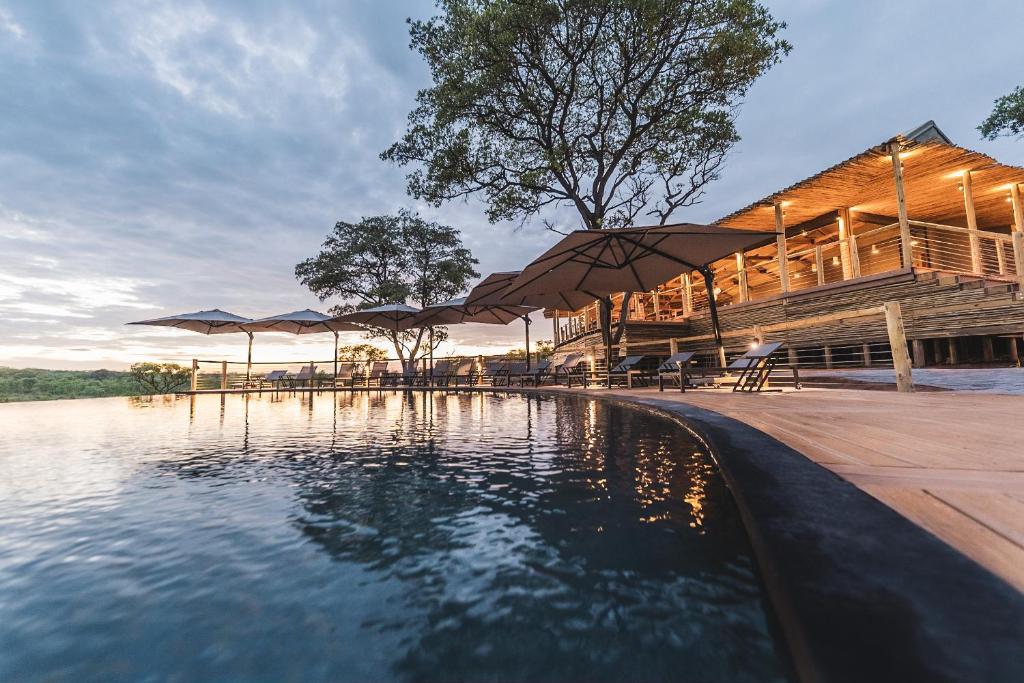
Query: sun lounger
point(406, 378)
point(573, 368)
point(628, 373)
point(346, 375)
point(377, 372)
point(750, 372)
point(537, 375)
point(464, 372)
point(441, 373)
point(675, 369)
point(273, 378)
point(494, 373)
point(306, 374)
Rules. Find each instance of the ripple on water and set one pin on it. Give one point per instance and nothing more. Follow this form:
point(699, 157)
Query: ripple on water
point(370, 536)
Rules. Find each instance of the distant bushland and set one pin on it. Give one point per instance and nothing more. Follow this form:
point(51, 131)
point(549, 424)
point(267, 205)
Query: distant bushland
point(33, 384)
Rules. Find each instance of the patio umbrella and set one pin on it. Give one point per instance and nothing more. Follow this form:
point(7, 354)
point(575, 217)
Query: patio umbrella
point(392, 317)
point(600, 262)
point(493, 288)
point(214, 321)
point(458, 311)
point(303, 322)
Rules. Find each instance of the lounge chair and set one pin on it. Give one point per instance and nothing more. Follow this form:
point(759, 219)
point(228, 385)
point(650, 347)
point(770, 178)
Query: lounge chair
point(306, 374)
point(346, 375)
point(273, 378)
point(464, 372)
point(537, 375)
point(627, 373)
point(494, 372)
point(571, 368)
point(440, 375)
point(406, 378)
point(754, 368)
point(377, 371)
point(675, 369)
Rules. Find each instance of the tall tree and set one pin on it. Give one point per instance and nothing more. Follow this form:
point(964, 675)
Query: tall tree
point(1007, 117)
point(386, 260)
point(617, 108)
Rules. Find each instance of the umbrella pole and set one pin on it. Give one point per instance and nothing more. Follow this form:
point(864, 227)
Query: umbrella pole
point(526, 321)
point(430, 350)
point(248, 363)
point(335, 359)
point(709, 283)
point(606, 332)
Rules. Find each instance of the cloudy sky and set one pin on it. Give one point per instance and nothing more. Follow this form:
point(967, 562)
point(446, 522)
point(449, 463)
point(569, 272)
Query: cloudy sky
point(162, 157)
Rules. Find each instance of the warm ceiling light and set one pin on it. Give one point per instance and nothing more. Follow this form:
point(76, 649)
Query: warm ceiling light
point(874, 248)
point(835, 260)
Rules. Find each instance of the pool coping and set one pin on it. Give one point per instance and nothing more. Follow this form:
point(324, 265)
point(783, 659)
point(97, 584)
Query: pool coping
point(861, 592)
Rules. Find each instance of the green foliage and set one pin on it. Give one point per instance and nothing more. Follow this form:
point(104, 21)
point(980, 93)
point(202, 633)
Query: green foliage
point(540, 349)
point(361, 352)
point(616, 108)
point(160, 378)
point(390, 259)
point(1007, 117)
point(31, 384)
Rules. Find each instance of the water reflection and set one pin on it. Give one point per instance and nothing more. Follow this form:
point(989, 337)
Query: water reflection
point(376, 535)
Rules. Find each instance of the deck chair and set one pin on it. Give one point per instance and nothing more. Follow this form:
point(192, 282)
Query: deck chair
point(571, 368)
point(406, 378)
point(464, 372)
point(627, 373)
point(305, 374)
point(377, 372)
point(440, 374)
point(494, 372)
point(675, 369)
point(754, 368)
point(273, 378)
point(346, 375)
point(515, 372)
point(537, 375)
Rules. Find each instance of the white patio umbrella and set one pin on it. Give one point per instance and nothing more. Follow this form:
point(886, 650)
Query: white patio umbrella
point(214, 321)
point(601, 262)
point(303, 322)
point(393, 317)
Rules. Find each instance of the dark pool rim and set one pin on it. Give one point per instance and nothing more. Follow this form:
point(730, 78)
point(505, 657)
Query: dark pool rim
point(861, 592)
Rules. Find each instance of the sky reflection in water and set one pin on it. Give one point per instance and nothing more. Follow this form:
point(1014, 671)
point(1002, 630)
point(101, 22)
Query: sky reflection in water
point(369, 537)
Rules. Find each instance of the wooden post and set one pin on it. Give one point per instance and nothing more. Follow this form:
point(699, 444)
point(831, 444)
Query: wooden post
point(1018, 208)
point(906, 250)
point(952, 357)
point(673, 347)
point(1000, 256)
point(972, 223)
point(988, 353)
point(854, 254)
point(688, 293)
point(845, 237)
point(741, 270)
point(780, 240)
point(828, 356)
point(195, 374)
point(1014, 354)
point(554, 319)
point(898, 344)
point(867, 355)
point(223, 374)
point(794, 356)
point(919, 357)
point(1018, 257)
point(819, 264)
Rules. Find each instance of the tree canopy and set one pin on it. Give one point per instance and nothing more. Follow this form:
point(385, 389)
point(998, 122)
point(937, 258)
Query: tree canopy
point(1007, 117)
point(617, 108)
point(388, 260)
point(160, 378)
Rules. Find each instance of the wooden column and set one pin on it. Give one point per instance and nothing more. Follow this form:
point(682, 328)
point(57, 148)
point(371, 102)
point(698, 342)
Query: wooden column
point(819, 265)
point(867, 355)
point(687, 293)
point(1014, 353)
point(1018, 208)
point(780, 240)
point(195, 374)
point(988, 353)
point(828, 356)
point(223, 374)
point(845, 244)
point(906, 250)
point(972, 222)
point(1018, 257)
point(673, 347)
point(919, 354)
point(741, 271)
point(898, 344)
point(952, 355)
point(555, 318)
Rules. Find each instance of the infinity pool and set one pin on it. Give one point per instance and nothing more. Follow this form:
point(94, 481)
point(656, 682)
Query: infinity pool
point(370, 537)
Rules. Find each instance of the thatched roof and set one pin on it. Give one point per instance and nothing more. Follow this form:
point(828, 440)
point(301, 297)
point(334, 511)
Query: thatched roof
point(932, 168)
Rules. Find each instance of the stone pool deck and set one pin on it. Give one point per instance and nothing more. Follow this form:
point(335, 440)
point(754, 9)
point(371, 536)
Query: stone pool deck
point(952, 462)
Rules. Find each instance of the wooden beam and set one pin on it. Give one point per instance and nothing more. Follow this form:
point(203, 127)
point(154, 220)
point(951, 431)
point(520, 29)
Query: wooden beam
point(972, 222)
point(1018, 257)
point(1018, 208)
point(780, 227)
point(741, 271)
point(898, 344)
point(906, 250)
point(688, 291)
point(819, 264)
point(848, 248)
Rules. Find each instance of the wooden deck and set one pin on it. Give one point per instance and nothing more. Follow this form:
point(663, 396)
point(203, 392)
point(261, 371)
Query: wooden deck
point(952, 462)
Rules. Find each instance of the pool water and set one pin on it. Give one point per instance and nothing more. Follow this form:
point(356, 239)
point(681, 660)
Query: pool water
point(370, 537)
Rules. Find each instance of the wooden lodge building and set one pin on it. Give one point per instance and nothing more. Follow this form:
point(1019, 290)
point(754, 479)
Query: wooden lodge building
point(916, 220)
